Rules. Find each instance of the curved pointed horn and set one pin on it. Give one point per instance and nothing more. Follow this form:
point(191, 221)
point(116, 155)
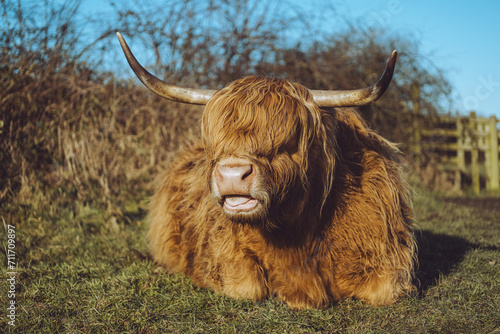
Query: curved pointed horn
point(171, 92)
point(357, 97)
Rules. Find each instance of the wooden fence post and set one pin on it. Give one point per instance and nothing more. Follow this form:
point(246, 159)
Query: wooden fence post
point(494, 183)
point(460, 153)
point(476, 185)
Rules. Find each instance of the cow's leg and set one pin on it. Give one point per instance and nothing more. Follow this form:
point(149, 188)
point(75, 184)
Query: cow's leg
point(240, 279)
point(301, 288)
point(385, 288)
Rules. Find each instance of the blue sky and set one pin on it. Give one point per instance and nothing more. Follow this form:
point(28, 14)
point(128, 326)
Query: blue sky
point(463, 38)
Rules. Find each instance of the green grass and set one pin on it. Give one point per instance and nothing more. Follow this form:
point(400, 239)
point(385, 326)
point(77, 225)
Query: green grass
point(84, 270)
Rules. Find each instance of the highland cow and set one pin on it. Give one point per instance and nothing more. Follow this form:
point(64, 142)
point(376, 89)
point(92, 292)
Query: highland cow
point(288, 193)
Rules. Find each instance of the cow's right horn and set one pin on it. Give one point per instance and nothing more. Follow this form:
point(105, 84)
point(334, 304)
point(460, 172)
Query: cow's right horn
point(357, 97)
point(171, 92)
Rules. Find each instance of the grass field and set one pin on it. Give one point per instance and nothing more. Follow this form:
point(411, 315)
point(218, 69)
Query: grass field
point(81, 270)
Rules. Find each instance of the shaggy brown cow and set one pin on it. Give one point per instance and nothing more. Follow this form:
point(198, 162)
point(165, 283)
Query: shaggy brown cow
point(283, 198)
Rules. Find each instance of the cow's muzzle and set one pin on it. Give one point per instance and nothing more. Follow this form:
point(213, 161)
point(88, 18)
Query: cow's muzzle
point(234, 179)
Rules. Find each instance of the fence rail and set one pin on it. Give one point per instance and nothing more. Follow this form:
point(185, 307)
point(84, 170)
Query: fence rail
point(467, 146)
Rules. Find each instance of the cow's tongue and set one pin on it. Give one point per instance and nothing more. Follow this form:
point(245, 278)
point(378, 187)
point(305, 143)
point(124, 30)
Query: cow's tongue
point(237, 200)
point(240, 203)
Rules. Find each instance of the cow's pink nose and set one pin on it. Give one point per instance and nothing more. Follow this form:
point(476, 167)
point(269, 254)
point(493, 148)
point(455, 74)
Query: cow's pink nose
point(234, 179)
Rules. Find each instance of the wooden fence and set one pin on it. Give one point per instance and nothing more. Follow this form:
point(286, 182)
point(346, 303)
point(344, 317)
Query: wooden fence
point(466, 146)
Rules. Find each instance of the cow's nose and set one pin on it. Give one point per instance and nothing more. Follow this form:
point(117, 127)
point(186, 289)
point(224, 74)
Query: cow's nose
point(234, 179)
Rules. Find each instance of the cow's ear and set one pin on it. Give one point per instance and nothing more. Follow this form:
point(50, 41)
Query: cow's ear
point(355, 132)
point(351, 120)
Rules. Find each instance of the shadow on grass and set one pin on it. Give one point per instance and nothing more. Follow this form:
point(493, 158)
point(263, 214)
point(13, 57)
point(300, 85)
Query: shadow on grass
point(437, 255)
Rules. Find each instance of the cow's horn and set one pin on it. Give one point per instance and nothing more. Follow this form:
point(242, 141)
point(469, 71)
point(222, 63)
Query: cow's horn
point(171, 92)
point(357, 97)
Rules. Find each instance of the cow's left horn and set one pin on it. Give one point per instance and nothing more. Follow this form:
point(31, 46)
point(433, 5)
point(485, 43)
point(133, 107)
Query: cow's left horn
point(357, 97)
point(171, 92)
